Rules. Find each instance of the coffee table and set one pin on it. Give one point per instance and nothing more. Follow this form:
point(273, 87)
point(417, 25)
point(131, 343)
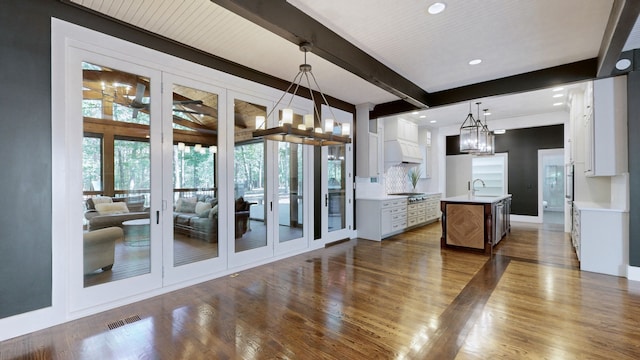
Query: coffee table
point(136, 232)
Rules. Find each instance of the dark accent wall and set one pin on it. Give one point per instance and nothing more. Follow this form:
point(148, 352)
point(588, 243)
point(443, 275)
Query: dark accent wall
point(25, 157)
point(522, 146)
point(633, 118)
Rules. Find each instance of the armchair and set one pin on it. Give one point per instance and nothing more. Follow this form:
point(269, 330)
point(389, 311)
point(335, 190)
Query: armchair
point(99, 248)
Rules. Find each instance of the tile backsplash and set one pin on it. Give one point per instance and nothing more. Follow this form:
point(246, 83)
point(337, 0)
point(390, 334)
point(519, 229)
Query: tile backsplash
point(397, 180)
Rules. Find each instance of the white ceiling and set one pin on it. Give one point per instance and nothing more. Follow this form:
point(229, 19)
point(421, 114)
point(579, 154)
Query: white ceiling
point(432, 51)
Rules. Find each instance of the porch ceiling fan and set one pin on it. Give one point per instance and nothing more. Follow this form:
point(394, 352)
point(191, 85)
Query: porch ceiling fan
point(137, 104)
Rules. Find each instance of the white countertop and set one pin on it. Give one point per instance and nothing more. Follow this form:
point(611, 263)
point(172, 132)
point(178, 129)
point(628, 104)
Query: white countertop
point(476, 199)
point(382, 197)
point(391, 197)
point(587, 205)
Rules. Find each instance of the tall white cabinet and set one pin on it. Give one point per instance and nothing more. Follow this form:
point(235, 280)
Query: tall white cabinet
point(605, 115)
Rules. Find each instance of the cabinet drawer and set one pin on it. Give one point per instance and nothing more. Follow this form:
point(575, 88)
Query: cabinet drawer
point(412, 221)
point(399, 226)
point(412, 213)
point(422, 219)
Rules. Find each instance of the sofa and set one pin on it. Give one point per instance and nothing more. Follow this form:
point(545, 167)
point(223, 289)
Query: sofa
point(197, 217)
point(99, 248)
point(103, 211)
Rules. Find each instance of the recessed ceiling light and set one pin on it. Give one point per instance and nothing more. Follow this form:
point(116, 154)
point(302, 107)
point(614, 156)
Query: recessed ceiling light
point(623, 64)
point(558, 95)
point(423, 116)
point(475, 61)
point(433, 121)
point(414, 113)
point(436, 8)
point(487, 113)
point(558, 88)
point(499, 131)
point(557, 104)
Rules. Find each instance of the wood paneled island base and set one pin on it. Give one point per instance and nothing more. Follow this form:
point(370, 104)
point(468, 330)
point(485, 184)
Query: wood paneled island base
point(465, 225)
point(470, 222)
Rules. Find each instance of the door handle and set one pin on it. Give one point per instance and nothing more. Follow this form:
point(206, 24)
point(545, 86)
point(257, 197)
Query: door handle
point(271, 205)
point(326, 200)
point(157, 217)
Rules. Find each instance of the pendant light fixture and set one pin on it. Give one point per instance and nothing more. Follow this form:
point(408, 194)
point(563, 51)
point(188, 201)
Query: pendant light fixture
point(310, 130)
point(489, 147)
point(469, 133)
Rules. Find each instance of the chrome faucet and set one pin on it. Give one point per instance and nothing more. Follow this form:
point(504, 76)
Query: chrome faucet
point(473, 186)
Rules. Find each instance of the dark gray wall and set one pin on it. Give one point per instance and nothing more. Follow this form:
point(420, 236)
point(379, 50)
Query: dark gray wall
point(25, 157)
point(522, 146)
point(633, 116)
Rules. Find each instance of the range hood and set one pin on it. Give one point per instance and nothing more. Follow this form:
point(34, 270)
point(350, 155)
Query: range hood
point(401, 152)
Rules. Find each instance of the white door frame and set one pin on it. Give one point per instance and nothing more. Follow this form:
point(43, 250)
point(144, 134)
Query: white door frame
point(176, 274)
point(348, 232)
point(82, 298)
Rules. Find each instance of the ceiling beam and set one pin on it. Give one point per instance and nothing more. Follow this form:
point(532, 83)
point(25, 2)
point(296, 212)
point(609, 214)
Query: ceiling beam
point(622, 18)
point(535, 80)
point(290, 23)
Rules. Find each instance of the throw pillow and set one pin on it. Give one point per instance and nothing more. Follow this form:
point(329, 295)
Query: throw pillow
point(204, 214)
point(112, 208)
point(186, 205)
point(202, 206)
point(92, 202)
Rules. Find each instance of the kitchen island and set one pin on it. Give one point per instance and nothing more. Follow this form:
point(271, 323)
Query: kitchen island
point(475, 222)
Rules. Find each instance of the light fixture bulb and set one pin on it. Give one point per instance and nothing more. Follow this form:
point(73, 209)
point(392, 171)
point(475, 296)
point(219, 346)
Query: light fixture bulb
point(213, 149)
point(197, 147)
point(287, 116)
point(181, 146)
point(308, 121)
point(328, 126)
point(346, 129)
point(187, 149)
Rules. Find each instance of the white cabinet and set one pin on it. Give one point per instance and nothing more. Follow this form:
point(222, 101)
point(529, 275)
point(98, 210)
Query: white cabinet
point(400, 129)
point(606, 127)
point(492, 170)
point(600, 236)
point(380, 218)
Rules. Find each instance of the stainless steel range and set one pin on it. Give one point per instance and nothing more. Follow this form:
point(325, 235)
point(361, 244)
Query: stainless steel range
point(412, 197)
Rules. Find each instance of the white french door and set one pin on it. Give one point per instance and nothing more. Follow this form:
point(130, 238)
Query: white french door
point(292, 208)
point(250, 203)
point(194, 152)
point(113, 119)
point(337, 185)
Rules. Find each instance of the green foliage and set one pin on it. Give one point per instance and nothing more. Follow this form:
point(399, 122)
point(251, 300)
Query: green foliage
point(414, 176)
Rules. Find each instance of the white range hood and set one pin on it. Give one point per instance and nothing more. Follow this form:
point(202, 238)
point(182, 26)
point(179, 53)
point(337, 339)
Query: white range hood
point(401, 152)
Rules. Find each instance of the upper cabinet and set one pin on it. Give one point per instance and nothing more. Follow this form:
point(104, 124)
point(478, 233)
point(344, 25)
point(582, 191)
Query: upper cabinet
point(400, 129)
point(605, 107)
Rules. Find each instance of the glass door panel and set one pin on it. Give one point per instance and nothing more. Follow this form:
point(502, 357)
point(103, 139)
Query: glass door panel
point(250, 225)
point(195, 175)
point(337, 186)
point(290, 192)
point(116, 173)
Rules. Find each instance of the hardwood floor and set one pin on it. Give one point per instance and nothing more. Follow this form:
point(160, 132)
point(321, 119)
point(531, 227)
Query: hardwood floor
point(403, 298)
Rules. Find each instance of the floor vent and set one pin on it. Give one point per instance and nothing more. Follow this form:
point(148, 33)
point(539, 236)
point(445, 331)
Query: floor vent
point(123, 322)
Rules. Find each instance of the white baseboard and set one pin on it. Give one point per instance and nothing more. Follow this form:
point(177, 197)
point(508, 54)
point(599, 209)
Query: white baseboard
point(527, 219)
point(633, 273)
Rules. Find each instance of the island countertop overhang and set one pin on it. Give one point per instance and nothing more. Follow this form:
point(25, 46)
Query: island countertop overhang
point(475, 199)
